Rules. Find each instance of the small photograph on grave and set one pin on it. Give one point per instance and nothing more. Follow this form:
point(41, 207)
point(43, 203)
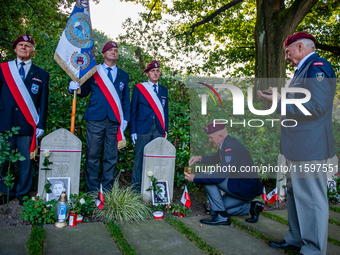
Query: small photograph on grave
point(59, 184)
point(161, 196)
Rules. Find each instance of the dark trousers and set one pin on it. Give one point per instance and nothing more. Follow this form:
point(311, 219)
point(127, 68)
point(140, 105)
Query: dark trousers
point(24, 184)
point(98, 132)
point(142, 140)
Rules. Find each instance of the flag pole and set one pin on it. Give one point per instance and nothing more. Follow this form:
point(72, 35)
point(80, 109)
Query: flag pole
point(73, 116)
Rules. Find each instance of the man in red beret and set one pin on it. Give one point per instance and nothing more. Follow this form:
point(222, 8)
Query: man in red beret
point(106, 117)
point(149, 116)
point(23, 103)
point(240, 186)
point(307, 146)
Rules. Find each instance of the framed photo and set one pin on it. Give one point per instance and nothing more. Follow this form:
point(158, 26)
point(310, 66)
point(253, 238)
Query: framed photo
point(59, 184)
point(161, 197)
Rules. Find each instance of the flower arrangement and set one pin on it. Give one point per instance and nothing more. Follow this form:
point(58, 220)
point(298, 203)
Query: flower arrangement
point(154, 181)
point(82, 204)
point(175, 210)
point(46, 163)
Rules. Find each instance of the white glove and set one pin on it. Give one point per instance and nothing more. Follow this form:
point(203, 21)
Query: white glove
point(125, 123)
point(134, 138)
point(39, 132)
point(73, 86)
point(166, 135)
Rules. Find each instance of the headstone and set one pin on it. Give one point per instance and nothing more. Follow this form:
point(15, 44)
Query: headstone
point(159, 158)
point(65, 150)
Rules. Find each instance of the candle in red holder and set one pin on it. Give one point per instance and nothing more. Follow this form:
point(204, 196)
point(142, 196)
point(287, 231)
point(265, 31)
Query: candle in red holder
point(72, 219)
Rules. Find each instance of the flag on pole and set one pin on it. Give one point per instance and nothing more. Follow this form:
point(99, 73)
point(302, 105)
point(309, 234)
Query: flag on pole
point(75, 52)
point(185, 198)
point(264, 196)
point(272, 196)
point(100, 199)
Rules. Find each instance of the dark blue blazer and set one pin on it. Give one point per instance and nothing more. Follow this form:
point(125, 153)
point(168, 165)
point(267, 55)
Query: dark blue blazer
point(142, 113)
point(312, 138)
point(236, 157)
point(99, 107)
point(37, 84)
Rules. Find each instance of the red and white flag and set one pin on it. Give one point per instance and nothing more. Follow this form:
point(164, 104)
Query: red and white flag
point(272, 196)
point(264, 196)
point(185, 198)
point(100, 199)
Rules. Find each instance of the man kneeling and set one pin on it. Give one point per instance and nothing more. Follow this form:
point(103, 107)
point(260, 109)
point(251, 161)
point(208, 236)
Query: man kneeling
point(240, 187)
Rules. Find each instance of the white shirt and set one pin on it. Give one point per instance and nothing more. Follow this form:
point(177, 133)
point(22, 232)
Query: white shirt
point(304, 60)
point(151, 85)
point(27, 66)
point(113, 71)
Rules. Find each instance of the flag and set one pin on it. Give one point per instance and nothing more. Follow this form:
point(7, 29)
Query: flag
point(100, 199)
point(75, 52)
point(272, 196)
point(264, 196)
point(185, 198)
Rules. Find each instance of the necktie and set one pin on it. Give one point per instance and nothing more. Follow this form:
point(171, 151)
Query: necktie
point(109, 74)
point(155, 88)
point(22, 71)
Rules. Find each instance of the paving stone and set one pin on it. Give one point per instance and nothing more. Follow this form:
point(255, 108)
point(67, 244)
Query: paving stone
point(157, 237)
point(334, 215)
point(228, 239)
point(84, 239)
point(14, 239)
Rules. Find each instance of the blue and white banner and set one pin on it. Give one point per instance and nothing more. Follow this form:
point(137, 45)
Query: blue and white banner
point(75, 52)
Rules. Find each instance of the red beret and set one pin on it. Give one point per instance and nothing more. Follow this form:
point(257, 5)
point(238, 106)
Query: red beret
point(298, 36)
point(214, 127)
point(153, 64)
point(23, 38)
point(109, 45)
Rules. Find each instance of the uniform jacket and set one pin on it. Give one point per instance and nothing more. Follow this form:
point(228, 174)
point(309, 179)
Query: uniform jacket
point(142, 114)
point(312, 138)
point(37, 84)
point(99, 107)
point(235, 157)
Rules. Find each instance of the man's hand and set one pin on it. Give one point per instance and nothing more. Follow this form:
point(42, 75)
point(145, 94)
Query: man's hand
point(268, 98)
point(189, 177)
point(134, 138)
point(73, 86)
point(195, 159)
point(125, 124)
point(38, 132)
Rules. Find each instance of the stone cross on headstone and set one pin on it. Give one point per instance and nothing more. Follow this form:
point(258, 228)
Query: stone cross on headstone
point(65, 156)
point(159, 158)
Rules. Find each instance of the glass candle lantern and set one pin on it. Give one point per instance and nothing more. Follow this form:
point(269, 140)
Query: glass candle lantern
point(61, 211)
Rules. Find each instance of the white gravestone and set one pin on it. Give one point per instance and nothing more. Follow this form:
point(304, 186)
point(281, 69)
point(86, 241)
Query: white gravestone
point(159, 158)
point(65, 150)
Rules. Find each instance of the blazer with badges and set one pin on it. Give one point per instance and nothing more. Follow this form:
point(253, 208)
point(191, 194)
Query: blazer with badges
point(235, 159)
point(37, 84)
point(312, 137)
point(99, 107)
point(142, 114)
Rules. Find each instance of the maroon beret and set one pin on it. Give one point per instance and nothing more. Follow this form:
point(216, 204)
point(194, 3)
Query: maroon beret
point(298, 36)
point(109, 45)
point(214, 127)
point(153, 64)
point(23, 38)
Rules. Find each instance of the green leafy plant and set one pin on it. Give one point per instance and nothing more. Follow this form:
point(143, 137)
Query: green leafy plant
point(82, 203)
point(37, 211)
point(176, 210)
point(122, 204)
point(154, 181)
point(9, 156)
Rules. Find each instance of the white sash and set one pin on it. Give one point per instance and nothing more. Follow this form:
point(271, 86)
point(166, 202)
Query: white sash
point(155, 98)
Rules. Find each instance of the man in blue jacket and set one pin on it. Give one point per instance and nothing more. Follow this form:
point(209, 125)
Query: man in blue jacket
point(149, 116)
point(306, 146)
point(234, 177)
point(106, 117)
point(23, 103)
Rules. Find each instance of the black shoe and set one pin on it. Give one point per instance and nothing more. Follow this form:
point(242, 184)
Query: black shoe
point(255, 209)
point(283, 245)
point(217, 219)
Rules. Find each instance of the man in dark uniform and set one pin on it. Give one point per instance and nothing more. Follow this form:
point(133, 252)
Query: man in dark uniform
point(149, 116)
point(23, 103)
point(306, 146)
point(106, 117)
point(234, 177)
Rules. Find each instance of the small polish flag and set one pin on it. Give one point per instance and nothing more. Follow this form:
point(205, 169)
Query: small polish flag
point(272, 196)
point(185, 198)
point(264, 196)
point(100, 199)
